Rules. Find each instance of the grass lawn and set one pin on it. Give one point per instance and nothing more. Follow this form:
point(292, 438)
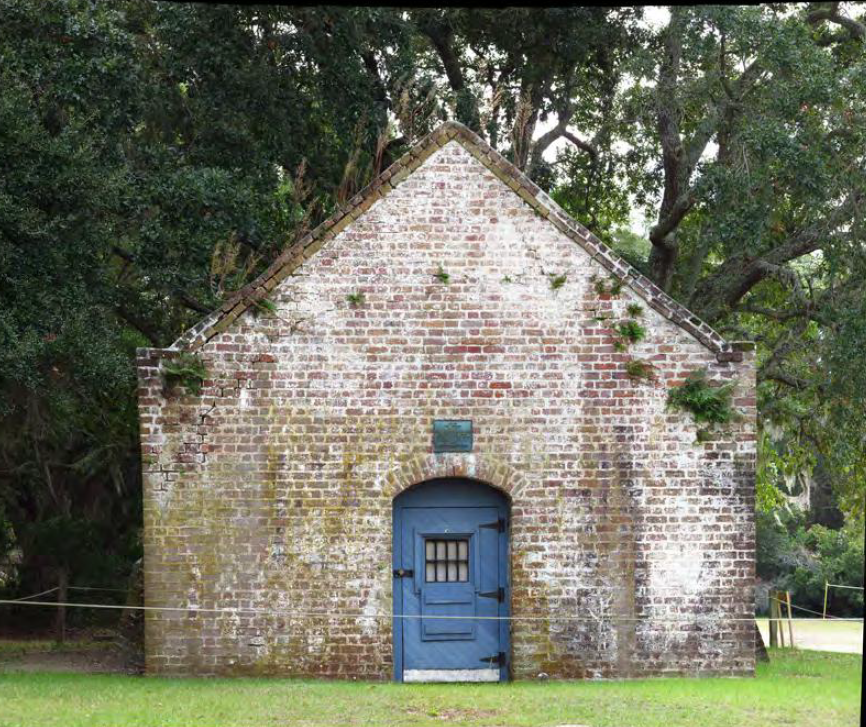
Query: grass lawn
point(796, 688)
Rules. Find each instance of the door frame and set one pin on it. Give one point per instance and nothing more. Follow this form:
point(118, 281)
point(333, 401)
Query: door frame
point(451, 492)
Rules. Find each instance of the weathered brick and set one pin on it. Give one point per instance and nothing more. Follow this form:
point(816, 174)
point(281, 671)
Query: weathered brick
point(273, 490)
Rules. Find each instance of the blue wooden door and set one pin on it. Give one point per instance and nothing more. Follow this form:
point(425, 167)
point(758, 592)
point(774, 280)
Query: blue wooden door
point(450, 582)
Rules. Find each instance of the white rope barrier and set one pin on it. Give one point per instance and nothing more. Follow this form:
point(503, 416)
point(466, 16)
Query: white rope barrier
point(35, 595)
point(837, 585)
point(807, 610)
point(288, 613)
point(95, 588)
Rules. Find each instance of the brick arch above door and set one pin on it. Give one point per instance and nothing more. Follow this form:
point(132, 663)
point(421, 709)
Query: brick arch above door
point(483, 467)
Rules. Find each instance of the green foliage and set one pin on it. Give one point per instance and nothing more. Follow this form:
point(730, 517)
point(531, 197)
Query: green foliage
point(265, 305)
point(613, 287)
point(793, 555)
point(156, 156)
point(705, 402)
point(186, 370)
point(776, 466)
point(777, 159)
point(703, 435)
point(442, 276)
point(634, 310)
point(630, 331)
point(634, 248)
point(640, 370)
point(356, 299)
point(557, 281)
point(150, 168)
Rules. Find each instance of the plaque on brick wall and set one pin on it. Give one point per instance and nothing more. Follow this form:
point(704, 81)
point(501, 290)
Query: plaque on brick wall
point(452, 435)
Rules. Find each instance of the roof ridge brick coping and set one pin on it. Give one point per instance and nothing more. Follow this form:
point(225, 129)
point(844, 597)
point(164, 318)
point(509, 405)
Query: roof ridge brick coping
point(310, 243)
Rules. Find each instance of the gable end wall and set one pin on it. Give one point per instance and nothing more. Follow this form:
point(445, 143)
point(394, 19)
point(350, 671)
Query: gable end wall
point(270, 494)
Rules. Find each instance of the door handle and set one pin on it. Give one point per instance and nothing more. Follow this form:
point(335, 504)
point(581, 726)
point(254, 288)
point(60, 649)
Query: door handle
point(404, 573)
point(498, 594)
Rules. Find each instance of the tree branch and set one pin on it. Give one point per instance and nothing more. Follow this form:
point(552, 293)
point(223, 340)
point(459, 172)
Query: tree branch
point(783, 378)
point(831, 13)
point(784, 315)
point(440, 34)
point(587, 146)
point(668, 112)
point(191, 302)
point(138, 324)
point(734, 278)
point(680, 158)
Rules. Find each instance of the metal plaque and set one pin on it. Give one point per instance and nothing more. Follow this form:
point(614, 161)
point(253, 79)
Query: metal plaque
point(452, 435)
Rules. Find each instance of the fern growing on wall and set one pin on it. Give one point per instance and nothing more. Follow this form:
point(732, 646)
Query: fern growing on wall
point(639, 370)
point(706, 403)
point(187, 370)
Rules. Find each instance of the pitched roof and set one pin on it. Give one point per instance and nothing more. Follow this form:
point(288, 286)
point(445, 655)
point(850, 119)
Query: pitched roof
point(305, 247)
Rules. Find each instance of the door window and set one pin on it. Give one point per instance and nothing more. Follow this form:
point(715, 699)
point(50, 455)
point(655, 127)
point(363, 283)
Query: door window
point(446, 561)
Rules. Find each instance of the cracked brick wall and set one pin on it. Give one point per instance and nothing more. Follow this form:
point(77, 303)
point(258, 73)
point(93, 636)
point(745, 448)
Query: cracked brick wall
point(270, 493)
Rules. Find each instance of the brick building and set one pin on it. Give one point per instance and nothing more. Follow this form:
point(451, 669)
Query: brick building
point(449, 400)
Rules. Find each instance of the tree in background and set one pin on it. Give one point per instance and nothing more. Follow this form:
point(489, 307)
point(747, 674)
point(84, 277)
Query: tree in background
point(750, 131)
point(155, 157)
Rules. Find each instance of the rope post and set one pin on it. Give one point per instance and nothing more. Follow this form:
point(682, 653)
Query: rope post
point(779, 617)
point(60, 616)
point(774, 624)
point(826, 587)
point(790, 622)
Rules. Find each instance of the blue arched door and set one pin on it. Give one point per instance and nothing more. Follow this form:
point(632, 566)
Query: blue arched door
point(451, 585)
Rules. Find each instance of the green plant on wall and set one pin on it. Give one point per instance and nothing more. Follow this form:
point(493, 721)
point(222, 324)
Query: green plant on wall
point(640, 370)
point(557, 281)
point(355, 299)
point(265, 305)
point(708, 404)
point(612, 287)
point(634, 310)
point(630, 331)
point(187, 370)
point(442, 276)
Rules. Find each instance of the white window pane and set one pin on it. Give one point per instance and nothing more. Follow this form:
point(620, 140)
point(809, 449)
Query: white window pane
point(452, 572)
point(452, 550)
point(430, 550)
point(440, 550)
point(430, 575)
point(440, 572)
point(463, 550)
point(463, 572)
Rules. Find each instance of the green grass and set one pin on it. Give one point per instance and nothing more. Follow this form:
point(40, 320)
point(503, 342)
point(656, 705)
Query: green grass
point(805, 688)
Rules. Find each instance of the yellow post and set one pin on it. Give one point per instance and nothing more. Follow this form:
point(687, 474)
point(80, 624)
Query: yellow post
point(779, 614)
point(774, 624)
point(826, 586)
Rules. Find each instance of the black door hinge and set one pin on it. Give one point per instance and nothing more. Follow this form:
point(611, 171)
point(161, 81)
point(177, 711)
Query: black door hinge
point(498, 594)
point(498, 658)
point(499, 525)
point(403, 573)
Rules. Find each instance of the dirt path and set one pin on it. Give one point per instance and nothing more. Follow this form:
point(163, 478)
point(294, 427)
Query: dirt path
point(845, 637)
